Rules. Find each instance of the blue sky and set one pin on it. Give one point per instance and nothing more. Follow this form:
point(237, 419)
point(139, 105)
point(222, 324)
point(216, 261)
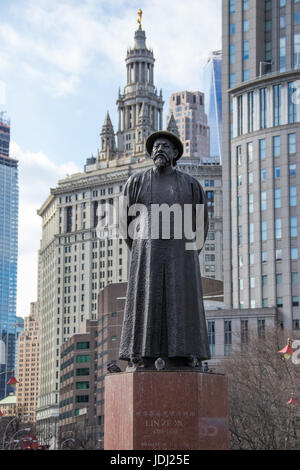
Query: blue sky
point(61, 65)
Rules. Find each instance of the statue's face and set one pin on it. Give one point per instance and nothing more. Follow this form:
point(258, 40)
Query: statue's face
point(163, 153)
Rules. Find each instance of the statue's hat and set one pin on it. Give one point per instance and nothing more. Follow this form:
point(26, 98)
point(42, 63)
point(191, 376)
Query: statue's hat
point(166, 135)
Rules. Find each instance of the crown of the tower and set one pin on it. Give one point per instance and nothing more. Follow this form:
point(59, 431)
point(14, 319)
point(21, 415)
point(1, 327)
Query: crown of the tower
point(139, 107)
point(107, 139)
point(107, 127)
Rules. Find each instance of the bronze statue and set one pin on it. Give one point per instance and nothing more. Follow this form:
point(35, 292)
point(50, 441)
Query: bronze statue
point(164, 315)
point(139, 20)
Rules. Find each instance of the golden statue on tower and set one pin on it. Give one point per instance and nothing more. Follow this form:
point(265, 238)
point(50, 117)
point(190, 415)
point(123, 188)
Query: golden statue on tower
point(139, 20)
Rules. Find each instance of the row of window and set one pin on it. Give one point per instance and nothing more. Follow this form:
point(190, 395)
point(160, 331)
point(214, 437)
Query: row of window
point(264, 233)
point(262, 107)
point(244, 334)
point(263, 203)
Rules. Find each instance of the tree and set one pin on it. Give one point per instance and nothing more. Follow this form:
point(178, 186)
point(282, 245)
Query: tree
point(261, 382)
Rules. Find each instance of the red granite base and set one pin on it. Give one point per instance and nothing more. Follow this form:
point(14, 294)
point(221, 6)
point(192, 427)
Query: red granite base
point(166, 411)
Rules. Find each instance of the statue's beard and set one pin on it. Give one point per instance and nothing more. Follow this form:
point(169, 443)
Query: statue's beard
point(161, 160)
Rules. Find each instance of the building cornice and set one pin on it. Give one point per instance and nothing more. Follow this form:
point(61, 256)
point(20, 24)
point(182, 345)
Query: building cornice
point(276, 77)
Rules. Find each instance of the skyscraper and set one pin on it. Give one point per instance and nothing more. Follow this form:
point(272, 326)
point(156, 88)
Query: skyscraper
point(212, 75)
point(187, 107)
point(8, 255)
point(28, 365)
point(261, 138)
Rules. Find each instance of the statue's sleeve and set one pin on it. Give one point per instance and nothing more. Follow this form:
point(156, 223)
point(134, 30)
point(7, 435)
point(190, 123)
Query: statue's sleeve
point(126, 200)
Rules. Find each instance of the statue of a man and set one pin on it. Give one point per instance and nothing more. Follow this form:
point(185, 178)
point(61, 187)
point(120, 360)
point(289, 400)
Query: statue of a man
point(164, 315)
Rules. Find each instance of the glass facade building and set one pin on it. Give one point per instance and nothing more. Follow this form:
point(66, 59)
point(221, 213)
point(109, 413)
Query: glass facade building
point(9, 199)
point(212, 78)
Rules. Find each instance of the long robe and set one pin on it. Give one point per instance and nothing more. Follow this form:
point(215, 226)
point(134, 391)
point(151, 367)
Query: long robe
point(164, 314)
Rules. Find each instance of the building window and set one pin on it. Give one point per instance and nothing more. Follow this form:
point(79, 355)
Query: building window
point(263, 107)
point(82, 399)
point(232, 80)
point(251, 203)
point(282, 55)
point(278, 233)
point(265, 280)
point(240, 115)
point(246, 50)
point(277, 172)
point(251, 233)
point(268, 26)
point(83, 345)
point(245, 26)
point(282, 22)
point(268, 5)
point(276, 146)
point(292, 143)
point(294, 253)
point(292, 106)
point(250, 110)
point(80, 372)
point(295, 278)
point(264, 256)
point(293, 196)
point(240, 235)
point(277, 105)
point(82, 385)
point(232, 29)
point(279, 302)
point(278, 255)
point(69, 219)
point(239, 205)
point(263, 200)
point(296, 51)
point(296, 324)
point(292, 169)
point(294, 226)
point(263, 174)
point(262, 149)
point(239, 155)
point(268, 55)
point(245, 5)
point(265, 302)
point(264, 230)
point(295, 301)
point(211, 337)
point(232, 53)
point(227, 338)
point(232, 6)
point(277, 198)
point(250, 152)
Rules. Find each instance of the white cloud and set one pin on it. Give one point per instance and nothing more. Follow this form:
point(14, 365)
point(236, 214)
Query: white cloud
point(37, 174)
point(59, 42)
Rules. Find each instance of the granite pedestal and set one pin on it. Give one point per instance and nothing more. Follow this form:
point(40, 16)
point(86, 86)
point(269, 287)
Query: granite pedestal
point(160, 410)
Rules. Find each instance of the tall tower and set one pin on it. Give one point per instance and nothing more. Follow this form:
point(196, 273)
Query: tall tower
point(261, 135)
point(107, 137)
point(140, 107)
point(9, 198)
point(212, 75)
